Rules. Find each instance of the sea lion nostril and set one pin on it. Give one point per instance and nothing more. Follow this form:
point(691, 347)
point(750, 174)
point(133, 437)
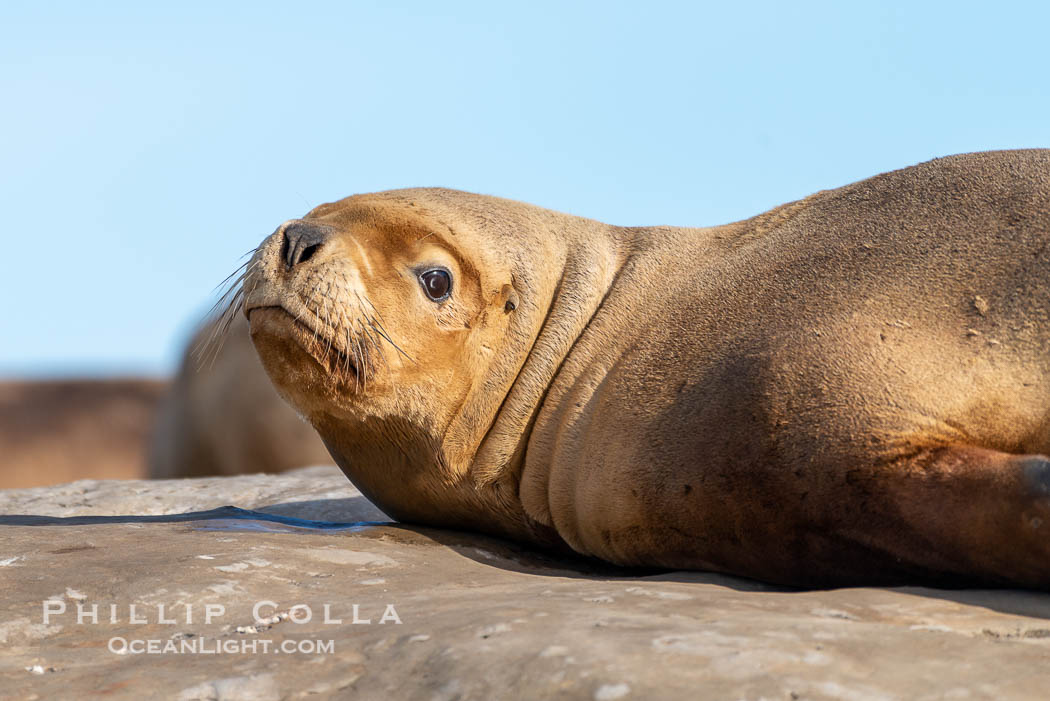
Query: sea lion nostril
point(307, 252)
point(302, 241)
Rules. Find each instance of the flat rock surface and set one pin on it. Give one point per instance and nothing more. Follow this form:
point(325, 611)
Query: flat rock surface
point(166, 581)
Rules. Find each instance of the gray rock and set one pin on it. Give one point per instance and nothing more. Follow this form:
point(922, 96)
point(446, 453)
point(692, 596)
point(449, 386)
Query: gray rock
point(242, 603)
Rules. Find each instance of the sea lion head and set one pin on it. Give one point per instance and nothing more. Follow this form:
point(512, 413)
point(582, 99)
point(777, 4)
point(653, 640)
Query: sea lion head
point(368, 309)
point(398, 324)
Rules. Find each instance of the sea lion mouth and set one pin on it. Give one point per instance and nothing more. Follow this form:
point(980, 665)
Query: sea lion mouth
point(321, 346)
point(318, 314)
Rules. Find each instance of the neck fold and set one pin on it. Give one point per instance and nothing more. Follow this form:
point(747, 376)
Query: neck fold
point(545, 338)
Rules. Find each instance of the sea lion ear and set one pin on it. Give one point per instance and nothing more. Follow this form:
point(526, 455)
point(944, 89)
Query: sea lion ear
point(510, 295)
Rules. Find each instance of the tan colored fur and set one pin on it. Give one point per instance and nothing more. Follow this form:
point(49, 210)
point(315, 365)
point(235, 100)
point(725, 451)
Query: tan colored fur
point(851, 388)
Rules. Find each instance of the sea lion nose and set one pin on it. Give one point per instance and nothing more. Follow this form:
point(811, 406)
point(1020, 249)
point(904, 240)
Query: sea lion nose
point(302, 241)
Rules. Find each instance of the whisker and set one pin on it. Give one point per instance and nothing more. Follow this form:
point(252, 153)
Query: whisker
point(240, 268)
point(232, 289)
point(328, 322)
point(223, 312)
point(357, 375)
point(381, 332)
point(367, 345)
point(378, 326)
point(360, 382)
point(215, 321)
point(220, 325)
point(369, 302)
point(374, 338)
point(359, 354)
point(344, 321)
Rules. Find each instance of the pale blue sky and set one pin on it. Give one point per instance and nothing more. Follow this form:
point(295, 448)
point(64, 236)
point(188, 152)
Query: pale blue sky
point(144, 149)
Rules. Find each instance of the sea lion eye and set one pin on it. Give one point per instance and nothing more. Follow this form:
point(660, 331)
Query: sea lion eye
point(437, 283)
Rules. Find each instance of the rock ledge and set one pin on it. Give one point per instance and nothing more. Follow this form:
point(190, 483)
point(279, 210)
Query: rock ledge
point(178, 597)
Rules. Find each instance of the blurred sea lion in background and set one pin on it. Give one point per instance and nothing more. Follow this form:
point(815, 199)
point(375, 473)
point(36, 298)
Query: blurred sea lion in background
point(55, 431)
point(222, 415)
point(849, 389)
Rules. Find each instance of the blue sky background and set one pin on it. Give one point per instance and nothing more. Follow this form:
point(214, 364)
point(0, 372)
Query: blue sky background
point(145, 148)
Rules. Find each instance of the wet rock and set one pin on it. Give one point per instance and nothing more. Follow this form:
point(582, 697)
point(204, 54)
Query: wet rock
point(153, 589)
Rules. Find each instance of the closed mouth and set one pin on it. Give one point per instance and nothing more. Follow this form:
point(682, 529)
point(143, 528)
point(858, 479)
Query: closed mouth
point(327, 354)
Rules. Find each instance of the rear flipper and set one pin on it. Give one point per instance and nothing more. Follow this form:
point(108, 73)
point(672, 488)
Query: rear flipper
point(953, 515)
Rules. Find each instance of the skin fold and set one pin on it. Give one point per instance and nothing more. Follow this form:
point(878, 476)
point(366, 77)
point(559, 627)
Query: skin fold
point(851, 388)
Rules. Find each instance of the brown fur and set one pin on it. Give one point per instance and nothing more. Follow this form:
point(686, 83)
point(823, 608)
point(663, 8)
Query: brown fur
point(851, 388)
point(54, 431)
point(221, 415)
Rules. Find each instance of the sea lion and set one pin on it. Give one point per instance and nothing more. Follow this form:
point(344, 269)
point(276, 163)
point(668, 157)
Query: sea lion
point(61, 430)
point(852, 388)
point(222, 416)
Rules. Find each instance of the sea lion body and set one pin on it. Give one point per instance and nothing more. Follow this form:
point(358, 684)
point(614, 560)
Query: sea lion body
point(852, 388)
